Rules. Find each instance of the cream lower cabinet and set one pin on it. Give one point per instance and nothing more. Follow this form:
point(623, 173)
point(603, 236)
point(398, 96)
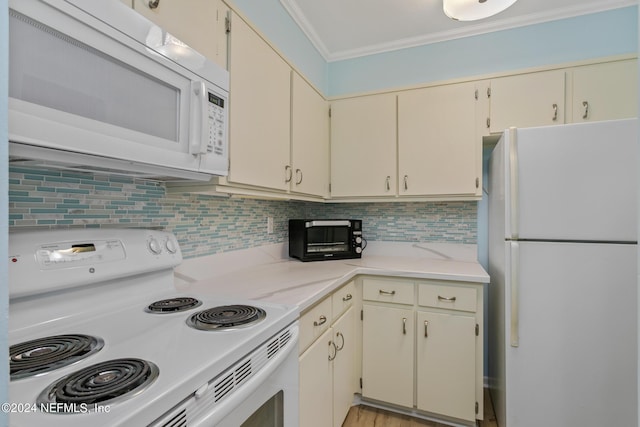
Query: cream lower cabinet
point(422, 346)
point(388, 354)
point(328, 364)
point(446, 364)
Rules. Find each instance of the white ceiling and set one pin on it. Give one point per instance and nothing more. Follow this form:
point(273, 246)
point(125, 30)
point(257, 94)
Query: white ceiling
point(342, 29)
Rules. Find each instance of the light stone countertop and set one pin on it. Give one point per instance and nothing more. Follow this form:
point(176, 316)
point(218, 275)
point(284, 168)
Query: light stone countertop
point(267, 273)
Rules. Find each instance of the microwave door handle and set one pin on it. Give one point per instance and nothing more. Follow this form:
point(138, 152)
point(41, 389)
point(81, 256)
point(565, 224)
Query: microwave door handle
point(197, 122)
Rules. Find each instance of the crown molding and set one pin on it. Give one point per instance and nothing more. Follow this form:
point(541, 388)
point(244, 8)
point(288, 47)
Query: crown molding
point(472, 30)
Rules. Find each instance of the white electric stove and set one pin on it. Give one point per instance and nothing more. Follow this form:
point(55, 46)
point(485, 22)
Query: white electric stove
point(99, 335)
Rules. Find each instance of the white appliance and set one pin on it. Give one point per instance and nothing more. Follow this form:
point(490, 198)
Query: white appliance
point(563, 224)
point(95, 86)
point(118, 344)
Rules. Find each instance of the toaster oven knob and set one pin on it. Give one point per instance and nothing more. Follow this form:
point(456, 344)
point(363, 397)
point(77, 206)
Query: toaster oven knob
point(358, 250)
point(154, 246)
point(358, 240)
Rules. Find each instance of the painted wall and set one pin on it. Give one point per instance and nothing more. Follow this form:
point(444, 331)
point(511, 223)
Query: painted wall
point(589, 36)
point(584, 37)
point(276, 24)
point(4, 290)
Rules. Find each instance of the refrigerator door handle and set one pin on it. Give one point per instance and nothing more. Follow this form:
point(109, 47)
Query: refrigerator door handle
point(515, 287)
point(513, 183)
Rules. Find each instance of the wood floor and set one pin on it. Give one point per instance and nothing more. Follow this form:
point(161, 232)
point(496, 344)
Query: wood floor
point(364, 416)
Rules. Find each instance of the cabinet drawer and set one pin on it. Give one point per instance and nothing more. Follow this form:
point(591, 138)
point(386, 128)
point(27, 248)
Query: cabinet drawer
point(342, 299)
point(313, 323)
point(387, 291)
point(450, 297)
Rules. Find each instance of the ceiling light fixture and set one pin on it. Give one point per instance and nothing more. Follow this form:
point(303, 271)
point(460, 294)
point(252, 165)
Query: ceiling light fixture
point(472, 10)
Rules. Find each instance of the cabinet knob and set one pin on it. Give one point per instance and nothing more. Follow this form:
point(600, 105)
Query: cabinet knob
point(406, 182)
point(153, 4)
point(383, 292)
point(404, 326)
point(298, 177)
point(288, 173)
point(388, 183)
point(555, 112)
point(347, 298)
point(446, 299)
point(426, 329)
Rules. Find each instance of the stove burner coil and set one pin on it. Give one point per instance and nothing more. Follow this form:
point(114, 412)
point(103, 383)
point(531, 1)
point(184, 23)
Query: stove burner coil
point(101, 383)
point(46, 354)
point(173, 305)
point(226, 317)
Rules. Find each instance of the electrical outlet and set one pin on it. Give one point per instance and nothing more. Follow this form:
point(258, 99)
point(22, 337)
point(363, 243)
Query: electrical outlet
point(269, 225)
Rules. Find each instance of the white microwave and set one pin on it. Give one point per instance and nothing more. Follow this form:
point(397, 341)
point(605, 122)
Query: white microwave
point(95, 86)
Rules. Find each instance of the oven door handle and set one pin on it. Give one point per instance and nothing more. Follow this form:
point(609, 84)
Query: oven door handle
point(226, 406)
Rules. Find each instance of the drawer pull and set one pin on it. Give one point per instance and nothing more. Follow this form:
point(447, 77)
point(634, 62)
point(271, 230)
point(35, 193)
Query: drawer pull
point(426, 329)
point(383, 292)
point(446, 299)
point(335, 350)
point(341, 346)
point(404, 326)
point(347, 298)
point(320, 321)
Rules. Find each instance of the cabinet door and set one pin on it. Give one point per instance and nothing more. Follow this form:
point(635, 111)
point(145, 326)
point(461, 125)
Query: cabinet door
point(343, 366)
point(259, 114)
point(316, 385)
point(388, 354)
point(526, 100)
point(363, 146)
point(605, 91)
point(437, 144)
point(446, 348)
point(309, 140)
point(198, 23)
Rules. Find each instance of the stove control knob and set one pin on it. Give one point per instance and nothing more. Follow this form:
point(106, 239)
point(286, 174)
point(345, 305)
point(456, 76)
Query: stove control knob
point(154, 246)
point(358, 250)
point(171, 246)
point(358, 240)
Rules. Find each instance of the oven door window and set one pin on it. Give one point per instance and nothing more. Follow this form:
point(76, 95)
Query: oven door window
point(327, 240)
point(270, 414)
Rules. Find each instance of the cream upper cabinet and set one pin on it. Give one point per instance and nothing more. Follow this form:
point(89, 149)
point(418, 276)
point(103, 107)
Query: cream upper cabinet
point(525, 100)
point(259, 111)
point(198, 23)
point(309, 140)
point(438, 150)
point(363, 146)
point(605, 91)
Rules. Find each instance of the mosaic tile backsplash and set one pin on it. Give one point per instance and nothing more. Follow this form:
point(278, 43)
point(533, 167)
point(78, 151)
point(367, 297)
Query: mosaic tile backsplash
point(206, 225)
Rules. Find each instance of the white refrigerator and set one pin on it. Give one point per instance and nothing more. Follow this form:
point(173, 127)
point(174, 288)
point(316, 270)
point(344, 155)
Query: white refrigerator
point(563, 228)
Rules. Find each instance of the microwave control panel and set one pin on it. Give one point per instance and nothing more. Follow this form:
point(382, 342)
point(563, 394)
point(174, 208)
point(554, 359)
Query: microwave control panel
point(217, 117)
